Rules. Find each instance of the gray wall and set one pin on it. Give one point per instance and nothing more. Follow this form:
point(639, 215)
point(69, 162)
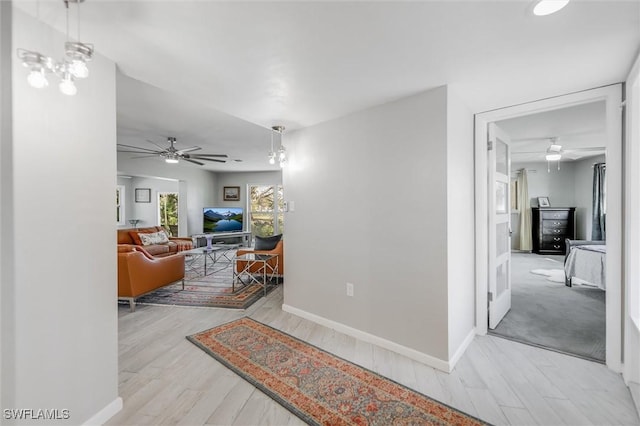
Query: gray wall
point(384, 232)
point(568, 187)
point(197, 187)
point(59, 339)
point(243, 180)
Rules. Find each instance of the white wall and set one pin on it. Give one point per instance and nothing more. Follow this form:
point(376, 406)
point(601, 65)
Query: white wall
point(200, 186)
point(62, 347)
point(460, 224)
point(7, 289)
point(631, 372)
point(370, 191)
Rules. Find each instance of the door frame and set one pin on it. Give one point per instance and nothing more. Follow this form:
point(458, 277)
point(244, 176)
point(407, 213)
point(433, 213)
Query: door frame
point(612, 95)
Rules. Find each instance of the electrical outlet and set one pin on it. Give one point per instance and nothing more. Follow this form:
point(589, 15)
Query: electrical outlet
point(350, 289)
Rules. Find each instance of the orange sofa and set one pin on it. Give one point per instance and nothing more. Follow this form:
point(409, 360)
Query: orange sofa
point(130, 236)
point(139, 272)
point(278, 249)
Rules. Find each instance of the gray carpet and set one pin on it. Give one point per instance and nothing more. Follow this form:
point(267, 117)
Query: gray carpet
point(551, 315)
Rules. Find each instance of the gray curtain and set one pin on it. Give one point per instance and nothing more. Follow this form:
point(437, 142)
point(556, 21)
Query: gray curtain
point(525, 211)
point(598, 231)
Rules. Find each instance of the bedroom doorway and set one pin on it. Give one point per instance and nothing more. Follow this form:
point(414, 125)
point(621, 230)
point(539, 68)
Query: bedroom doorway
point(559, 192)
point(611, 96)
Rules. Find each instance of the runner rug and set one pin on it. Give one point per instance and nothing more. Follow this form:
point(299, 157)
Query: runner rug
point(205, 295)
point(317, 386)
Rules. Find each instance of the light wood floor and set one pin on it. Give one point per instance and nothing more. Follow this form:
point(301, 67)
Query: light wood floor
point(165, 379)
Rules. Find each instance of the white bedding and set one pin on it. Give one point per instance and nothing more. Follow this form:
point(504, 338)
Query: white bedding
point(587, 263)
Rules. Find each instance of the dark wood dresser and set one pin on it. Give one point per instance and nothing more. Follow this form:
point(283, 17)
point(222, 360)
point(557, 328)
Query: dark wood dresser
point(550, 226)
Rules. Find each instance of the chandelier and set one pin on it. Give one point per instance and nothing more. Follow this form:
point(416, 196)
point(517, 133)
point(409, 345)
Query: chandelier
point(73, 66)
point(281, 154)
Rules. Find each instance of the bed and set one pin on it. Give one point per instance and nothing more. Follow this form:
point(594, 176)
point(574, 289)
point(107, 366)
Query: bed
point(586, 261)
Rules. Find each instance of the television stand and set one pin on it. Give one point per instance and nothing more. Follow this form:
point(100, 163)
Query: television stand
point(200, 240)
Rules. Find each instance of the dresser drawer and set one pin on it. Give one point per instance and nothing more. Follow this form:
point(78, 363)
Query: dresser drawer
point(554, 227)
point(555, 214)
point(553, 239)
point(557, 247)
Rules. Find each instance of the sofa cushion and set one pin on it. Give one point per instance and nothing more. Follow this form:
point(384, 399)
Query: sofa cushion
point(157, 249)
point(134, 233)
point(153, 238)
point(267, 243)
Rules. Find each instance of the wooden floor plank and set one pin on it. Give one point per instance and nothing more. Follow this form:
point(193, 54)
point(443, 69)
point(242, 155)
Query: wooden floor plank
point(165, 379)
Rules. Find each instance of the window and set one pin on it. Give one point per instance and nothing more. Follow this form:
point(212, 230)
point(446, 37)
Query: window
point(266, 207)
point(168, 212)
point(120, 205)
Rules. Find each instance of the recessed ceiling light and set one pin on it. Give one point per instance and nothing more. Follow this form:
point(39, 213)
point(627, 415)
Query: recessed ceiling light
point(547, 7)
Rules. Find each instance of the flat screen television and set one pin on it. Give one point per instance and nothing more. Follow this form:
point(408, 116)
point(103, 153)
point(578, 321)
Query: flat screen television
point(222, 219)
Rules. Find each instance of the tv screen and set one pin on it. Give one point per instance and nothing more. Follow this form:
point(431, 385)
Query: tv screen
point(222, 219)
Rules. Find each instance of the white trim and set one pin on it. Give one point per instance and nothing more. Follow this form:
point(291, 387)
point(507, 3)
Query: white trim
point(102, 416)
point(612, 96)
point(429, 360)
point(461, 349)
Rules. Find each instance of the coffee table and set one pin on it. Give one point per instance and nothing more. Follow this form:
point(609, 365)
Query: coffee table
point(261, 269)
point(217, 254)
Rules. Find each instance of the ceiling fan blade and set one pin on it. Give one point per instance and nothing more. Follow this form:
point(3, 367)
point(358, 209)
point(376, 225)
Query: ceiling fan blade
point(136, 147)
point(145, 156)
point(193, 161)
point(141, 152)
point(152, 142)
point(593, 148)
point(213, 155)
point(208, 159)
point(193, 148)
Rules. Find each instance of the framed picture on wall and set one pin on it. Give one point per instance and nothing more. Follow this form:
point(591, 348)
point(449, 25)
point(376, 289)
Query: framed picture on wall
point(543, 202)
point(231, 193)
point(143, 195)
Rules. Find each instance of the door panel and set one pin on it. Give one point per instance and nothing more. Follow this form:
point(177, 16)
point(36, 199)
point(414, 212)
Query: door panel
point(499, 226)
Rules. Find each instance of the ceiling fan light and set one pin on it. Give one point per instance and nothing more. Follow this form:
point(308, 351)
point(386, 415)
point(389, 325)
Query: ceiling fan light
point(171, 160)
point(548, 7)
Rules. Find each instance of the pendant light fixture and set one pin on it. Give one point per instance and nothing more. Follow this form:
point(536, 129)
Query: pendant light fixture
point(71, 67)
point(281, 154)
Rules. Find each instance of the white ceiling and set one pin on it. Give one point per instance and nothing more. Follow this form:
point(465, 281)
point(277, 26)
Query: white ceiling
point(299, 63)
point(580, 130)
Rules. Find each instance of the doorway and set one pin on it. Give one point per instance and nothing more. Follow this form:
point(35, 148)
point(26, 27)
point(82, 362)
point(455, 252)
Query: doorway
point(553, 156)
point(611, 96)
point(168, 212)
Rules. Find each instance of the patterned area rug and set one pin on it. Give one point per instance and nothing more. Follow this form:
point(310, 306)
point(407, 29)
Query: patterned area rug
point(316, 386)
point(210, 291)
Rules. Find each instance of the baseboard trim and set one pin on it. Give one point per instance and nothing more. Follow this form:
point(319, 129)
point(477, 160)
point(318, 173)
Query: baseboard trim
point(429, 360)
point(102, 416)
point(462, 348)
point(634, 388)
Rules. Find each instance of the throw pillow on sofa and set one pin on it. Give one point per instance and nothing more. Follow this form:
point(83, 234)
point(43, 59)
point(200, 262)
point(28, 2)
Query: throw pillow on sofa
point(154, 238)
point(267, 243)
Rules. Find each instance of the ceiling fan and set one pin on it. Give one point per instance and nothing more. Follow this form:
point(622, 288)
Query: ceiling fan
point(171, 154)
point(555, 152)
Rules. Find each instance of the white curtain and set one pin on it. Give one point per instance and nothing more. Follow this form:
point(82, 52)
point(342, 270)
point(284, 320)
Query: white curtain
point(525, 211)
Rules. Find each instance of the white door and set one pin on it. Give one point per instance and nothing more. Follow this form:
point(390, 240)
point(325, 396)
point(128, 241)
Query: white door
point(499, 225)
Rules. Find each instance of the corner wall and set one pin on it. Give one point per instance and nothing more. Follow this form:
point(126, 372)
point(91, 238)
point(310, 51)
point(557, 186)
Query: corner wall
point(370, 193)
point(63, 351)
point(460, 226)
